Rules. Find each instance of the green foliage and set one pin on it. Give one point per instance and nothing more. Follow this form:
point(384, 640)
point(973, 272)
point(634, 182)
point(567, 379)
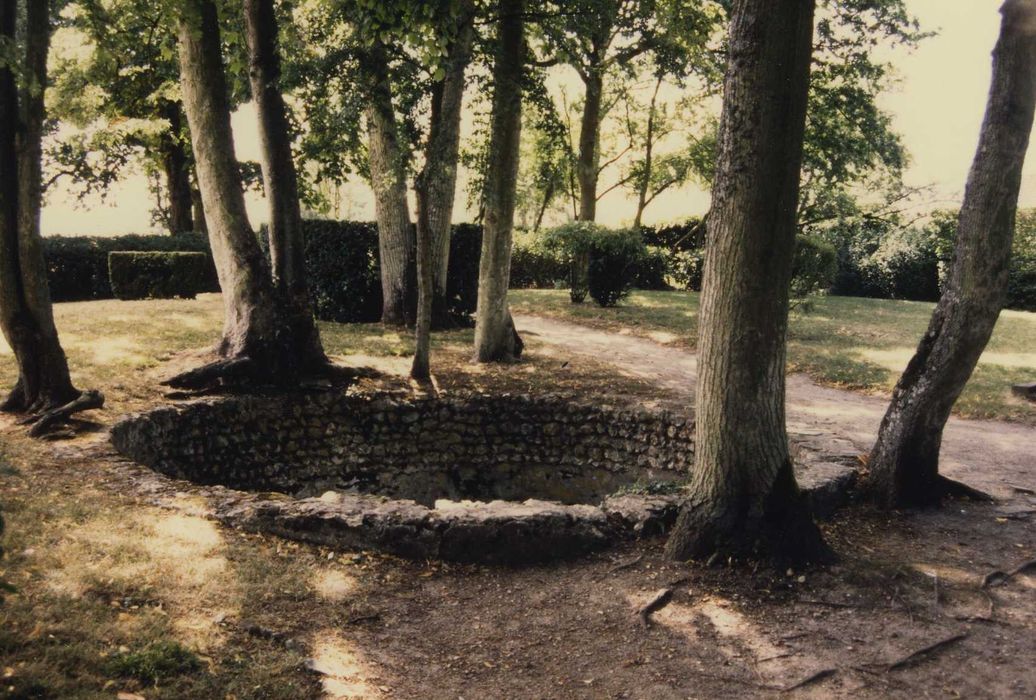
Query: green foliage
point(344, 275)
point(814, 267)
point(77, 266)
point(156, 662)
point(534, 265)
point(157, 275)
point(613, 256)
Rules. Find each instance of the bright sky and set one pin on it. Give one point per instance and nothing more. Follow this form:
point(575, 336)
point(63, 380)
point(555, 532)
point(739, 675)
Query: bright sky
point(937, 107)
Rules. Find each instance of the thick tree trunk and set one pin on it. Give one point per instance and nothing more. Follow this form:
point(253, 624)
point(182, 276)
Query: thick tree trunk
point(904, 465)
point(26, 315)
point(177, 173)
point(397, 239)
point(441, 155)
point(257, 322)
point(743, 496)
point(420, 369)
point(280, 180)
point(496, 339)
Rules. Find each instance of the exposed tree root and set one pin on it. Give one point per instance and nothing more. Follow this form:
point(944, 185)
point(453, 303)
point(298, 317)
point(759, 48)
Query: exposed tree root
point(998, 578)
point(956, 489)
point(811, 679)
point(222, 371)
point(658, 601)
point(924, 652)
point(43, 421)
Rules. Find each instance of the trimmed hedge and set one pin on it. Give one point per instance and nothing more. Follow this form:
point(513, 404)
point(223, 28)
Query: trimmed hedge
point(77, 266)
point(344, 274)
point(157, 275)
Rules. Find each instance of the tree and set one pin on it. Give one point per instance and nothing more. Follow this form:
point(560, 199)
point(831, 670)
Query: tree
point(436, 183)
point(397, 242)
point(495, 336)
point(44, 387)
point(287, 242)
point(904, 464)
point(262, 339)
point(743, 496)
point(122, 96)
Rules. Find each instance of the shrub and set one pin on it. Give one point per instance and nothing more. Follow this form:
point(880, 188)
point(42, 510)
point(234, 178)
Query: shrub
point(686, 268)
point(342, 270)
point(136, 275)
point(77, 266)
point(614, 256)
point(534, 265)
point(344, 275)
point(815, 266)
point(1021, 289)
point(651, 269)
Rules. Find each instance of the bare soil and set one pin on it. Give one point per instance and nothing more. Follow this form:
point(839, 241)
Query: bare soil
point(111, 559)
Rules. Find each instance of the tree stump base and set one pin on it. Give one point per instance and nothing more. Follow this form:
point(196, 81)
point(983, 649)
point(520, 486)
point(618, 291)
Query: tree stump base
point(1025, 391)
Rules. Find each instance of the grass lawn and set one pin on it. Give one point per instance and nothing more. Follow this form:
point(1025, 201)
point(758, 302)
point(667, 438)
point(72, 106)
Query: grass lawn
point(848, 342)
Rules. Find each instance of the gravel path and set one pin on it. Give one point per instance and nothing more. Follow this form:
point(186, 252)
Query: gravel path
point(995, 456)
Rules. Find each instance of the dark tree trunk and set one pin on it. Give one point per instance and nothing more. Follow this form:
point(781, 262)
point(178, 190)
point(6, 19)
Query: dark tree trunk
point(743, 496)
point(177, 172)
point(280, 181)
point(397, 239)
point(589, 145)
point(26, 315)
point(441, 155)
point(259, 332)
point(496, 339)
point(904, 465)
point(198, 211)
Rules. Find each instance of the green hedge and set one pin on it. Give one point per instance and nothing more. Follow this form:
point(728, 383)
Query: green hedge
point(77, 266)
point(344, 275)
point(157, 275)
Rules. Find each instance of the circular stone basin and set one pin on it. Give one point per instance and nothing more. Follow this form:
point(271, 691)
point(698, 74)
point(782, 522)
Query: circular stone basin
point(505, 478)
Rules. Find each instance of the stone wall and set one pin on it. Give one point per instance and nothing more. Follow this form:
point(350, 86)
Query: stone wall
point(509, 447)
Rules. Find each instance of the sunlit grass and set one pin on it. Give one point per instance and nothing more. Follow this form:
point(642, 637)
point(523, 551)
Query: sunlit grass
point(854, 343)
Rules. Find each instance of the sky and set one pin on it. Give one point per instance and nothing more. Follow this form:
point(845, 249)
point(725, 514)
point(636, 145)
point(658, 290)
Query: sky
point(937, 106)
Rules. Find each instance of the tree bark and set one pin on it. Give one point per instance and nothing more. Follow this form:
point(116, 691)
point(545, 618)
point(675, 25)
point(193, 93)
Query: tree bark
point(743, 497)
point(496, 339)
point(589, 144)
point(198, 212)
point(177, 173)
point(435, 187)
point(397, 239)
point(441, 155)
point(258, 324)
point(26, 314)
point(280, 180)
point(904, 464)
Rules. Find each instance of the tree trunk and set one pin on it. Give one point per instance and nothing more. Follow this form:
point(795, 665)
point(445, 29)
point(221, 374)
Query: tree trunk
point(198, 211)
point(649, 151)
point(280, 181)
point(496, 339)
point(257, 325)
point(26, 315)
point(397, 240)
point(904, 465)
point(589, 145)
point(441, 155)
point(435, 187)
point(178, 181)
point(743, 497)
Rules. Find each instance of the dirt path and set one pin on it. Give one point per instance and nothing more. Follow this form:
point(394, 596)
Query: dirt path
point(990, 455)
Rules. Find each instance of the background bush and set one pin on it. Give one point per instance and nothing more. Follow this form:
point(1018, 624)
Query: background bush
point(157, 275)
point(614, 257)
point(815, 266)
point(77, 267)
